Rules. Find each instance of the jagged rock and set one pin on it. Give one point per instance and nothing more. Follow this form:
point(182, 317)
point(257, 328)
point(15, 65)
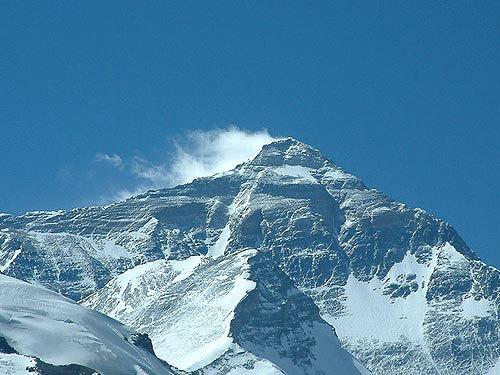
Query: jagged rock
point(402, 289)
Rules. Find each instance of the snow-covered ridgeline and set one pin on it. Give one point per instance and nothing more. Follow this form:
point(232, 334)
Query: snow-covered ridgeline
point(40, 323)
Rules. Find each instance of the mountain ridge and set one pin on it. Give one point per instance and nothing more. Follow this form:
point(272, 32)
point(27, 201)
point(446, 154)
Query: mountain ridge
point(338, 242)
point(44, 331)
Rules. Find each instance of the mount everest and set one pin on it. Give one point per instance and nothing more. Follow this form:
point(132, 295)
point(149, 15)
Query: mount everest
point(285, 264)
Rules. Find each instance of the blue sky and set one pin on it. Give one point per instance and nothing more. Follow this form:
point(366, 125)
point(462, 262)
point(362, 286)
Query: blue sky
point(404, 95)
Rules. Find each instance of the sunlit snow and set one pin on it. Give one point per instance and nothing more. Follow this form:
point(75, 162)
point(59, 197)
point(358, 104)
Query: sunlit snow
point(15, 364)
point(472, 308)
point(296, 171)
point(60, 331)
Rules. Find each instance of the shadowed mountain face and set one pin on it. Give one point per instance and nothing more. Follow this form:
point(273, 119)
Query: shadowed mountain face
point(251, 269)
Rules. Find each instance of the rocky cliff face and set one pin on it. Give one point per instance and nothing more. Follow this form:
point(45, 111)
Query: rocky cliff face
point(251, 269)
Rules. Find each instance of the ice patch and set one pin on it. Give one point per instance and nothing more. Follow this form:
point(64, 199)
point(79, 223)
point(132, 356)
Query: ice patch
point(295, 171)
point(472, 308)
point(130, 279)
point(380, 211)
point(206, 354)
point(218, 248)
point(337, 174)
point(110, 250)
point(371, 314)
point(185, 267)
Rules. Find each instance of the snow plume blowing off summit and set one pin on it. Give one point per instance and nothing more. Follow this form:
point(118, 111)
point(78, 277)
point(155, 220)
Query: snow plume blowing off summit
point(210, 152)
point(286, 264)
point(199, 153)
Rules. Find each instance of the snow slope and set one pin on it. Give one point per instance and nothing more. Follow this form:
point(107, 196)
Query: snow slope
point(40, 323)
point(218, 315)
point(193, 330)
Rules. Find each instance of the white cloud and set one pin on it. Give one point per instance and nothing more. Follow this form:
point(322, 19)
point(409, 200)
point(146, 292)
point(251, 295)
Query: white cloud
point(114, 160)
point(156, 175)
point(199, 154)
point(203, 153)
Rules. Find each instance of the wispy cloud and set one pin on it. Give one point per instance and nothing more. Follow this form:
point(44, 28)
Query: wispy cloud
point(204, 153)
point(152, 175)
point(114, 160)
point(200, 153)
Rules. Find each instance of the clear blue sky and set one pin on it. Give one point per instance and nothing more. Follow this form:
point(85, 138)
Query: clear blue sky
point(406, 95)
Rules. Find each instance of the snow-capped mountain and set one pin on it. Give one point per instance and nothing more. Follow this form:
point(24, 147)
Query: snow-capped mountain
point(236, 305)
point(43, 332)
point(273, 267)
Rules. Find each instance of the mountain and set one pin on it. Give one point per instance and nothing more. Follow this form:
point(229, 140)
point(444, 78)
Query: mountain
point(276, 266)
point(46, 333)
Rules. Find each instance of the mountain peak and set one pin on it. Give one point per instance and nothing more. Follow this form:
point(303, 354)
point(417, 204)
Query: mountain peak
point(265, 269)
point(289, 151)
